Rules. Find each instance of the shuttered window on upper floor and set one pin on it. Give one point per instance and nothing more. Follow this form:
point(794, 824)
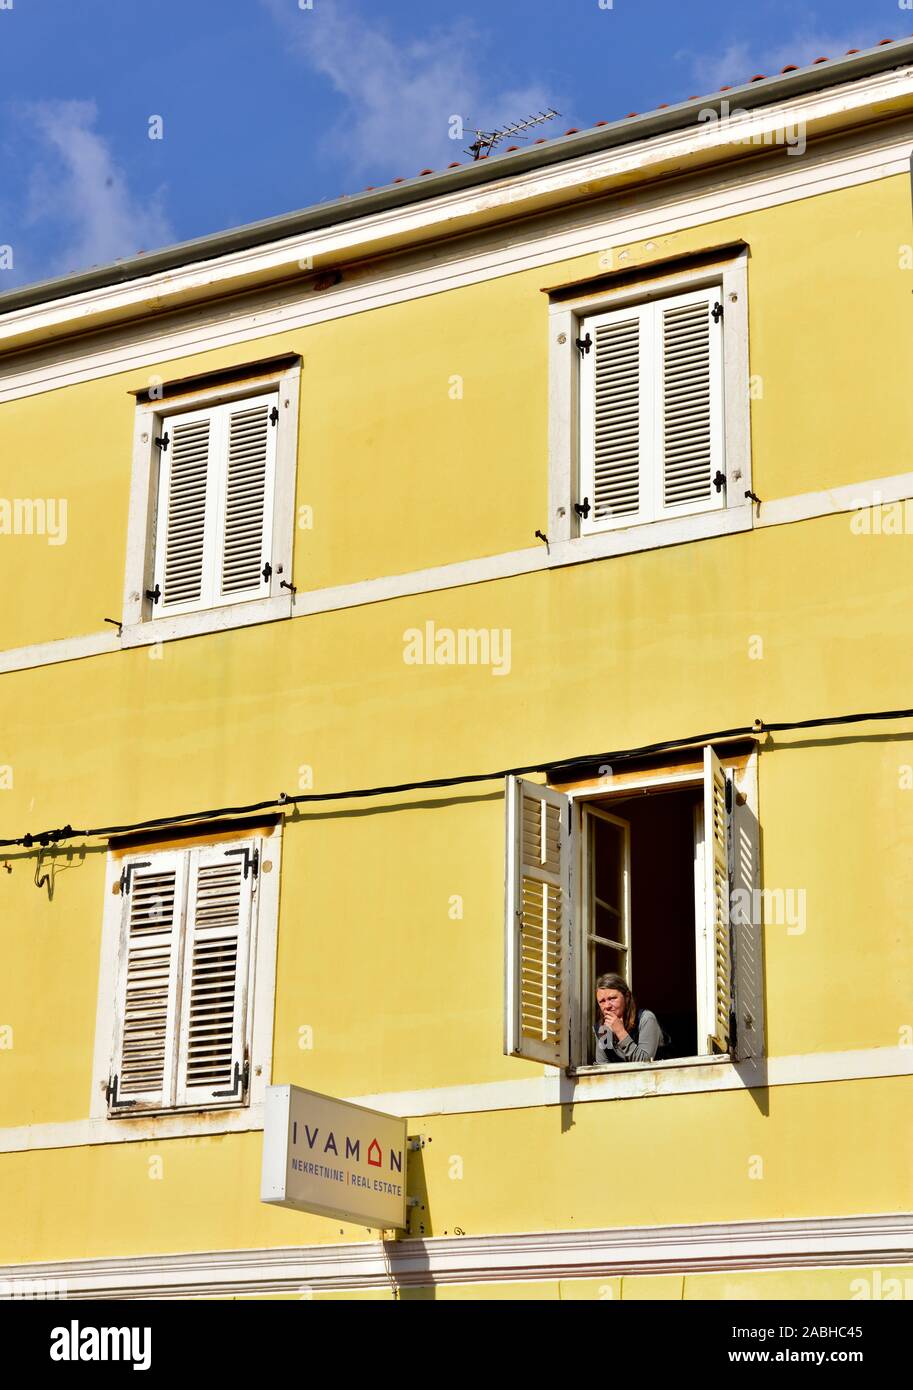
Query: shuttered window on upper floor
point(214, 519)
point(651, 411)
point(181, 1012)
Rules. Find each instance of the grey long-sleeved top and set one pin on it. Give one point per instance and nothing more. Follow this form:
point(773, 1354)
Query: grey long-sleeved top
point(648, 1034)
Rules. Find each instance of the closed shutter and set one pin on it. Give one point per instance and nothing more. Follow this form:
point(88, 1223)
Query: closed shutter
point(616, 429)
point(152, 890)
point(215, 506)
point(747, 955)
point(716, 896)
point(216, 954)
point(250, 454)
point(187, 489)
point(651, 412)
point(538, 924)
point(690, 422)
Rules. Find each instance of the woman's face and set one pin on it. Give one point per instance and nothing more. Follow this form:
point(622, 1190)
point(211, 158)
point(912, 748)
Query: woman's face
point(610, 1001)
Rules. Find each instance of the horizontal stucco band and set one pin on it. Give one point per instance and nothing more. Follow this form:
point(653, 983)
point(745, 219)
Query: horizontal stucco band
point(554, 1088)
point(827, 1242)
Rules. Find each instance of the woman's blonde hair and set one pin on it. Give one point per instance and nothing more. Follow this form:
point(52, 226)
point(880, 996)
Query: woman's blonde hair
point(617, 982)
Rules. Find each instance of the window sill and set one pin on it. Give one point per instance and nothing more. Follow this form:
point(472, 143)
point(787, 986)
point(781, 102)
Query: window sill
point(612, 1068)
point(652, 535)
point(231, 615)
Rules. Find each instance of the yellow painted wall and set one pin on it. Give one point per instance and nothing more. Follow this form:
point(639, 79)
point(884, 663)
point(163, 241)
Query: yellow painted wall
point(824, 1149)
point(605, 655)
point(401, 477)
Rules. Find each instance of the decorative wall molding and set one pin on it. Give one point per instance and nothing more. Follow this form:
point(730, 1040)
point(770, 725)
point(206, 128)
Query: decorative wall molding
point(832, 1242)
point(632, 1081)
point(581, 550)
point(755, 182)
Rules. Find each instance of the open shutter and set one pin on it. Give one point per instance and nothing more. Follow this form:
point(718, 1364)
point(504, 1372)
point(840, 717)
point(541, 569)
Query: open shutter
point(142, 1071)
point(216, 953)
point(616, 429)
point(185, 525)
point(538, 923)
point(747, 963)
point(690, 405)
point(716, 895)
point(250, 430)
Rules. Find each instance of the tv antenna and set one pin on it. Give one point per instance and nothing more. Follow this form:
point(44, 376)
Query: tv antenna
point(486, 140)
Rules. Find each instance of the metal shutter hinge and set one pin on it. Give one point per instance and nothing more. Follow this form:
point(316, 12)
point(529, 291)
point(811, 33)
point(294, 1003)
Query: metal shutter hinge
point(161, 441)
point(240, 1083)
point(716, 312)
point(274, 416)
point(266, 572)
point(154, 594)
point(719, 480)
point(584, 345)
point(582, 508)
point(251, 861)
point(128, 870)
point(111, 1095)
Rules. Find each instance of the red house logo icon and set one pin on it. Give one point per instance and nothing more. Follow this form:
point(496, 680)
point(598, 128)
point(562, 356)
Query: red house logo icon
point(374, 1154)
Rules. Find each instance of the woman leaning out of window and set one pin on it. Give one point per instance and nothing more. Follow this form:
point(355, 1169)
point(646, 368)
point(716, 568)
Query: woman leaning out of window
point(625, 1033)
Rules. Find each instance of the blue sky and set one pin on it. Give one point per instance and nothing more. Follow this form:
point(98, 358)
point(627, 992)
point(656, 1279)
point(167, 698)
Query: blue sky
point(268, 105)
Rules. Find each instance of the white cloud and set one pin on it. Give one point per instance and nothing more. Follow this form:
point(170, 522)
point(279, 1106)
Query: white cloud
point(401, 95)
point(78, 194)
point(740, 61)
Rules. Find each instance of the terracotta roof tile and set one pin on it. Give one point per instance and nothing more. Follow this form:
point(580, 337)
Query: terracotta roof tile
point(663, 106)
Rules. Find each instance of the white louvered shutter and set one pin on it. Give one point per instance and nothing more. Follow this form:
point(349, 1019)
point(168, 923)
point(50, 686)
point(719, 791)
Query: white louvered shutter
point(747, 962)
point(538, 924)
point(246, 512)
point(616, 425)
point(142, 1072)
point(215, 506)
point(716, 896)
point(689, 409)
point(188, 489)
point(214, 987)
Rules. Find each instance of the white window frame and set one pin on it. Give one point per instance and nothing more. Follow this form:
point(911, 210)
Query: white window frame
point(596, 810)
point(566, 318)
point(218, 1116)
point(581, 1006)
point(142, 623)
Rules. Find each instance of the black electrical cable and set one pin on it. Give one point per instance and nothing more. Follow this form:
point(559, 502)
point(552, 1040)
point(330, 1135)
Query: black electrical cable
point(566, 765)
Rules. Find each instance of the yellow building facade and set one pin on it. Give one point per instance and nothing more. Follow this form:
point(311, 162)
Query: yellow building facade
point(560, 506)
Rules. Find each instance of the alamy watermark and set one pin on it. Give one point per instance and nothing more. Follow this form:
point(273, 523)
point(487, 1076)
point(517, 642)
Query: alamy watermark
point(34, 516)
point(873, 517)
point(792, 135)
point(462, 646)
point(775, 907)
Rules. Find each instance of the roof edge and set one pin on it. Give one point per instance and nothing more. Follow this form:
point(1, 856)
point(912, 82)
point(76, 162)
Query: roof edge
point(750, 96)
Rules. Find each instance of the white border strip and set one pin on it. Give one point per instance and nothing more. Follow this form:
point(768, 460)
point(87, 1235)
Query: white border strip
point(700, 144)
point(574, 231)
point(825, 1242)
point(784, 510)
point(626, 1082)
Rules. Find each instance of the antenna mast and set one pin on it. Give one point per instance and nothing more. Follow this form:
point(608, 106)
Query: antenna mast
point(486, 140)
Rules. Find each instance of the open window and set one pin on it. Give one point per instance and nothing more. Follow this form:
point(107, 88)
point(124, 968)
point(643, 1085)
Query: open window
point(652, 878)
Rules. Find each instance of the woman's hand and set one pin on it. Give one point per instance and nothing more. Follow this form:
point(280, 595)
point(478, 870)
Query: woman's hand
point(617, 1025)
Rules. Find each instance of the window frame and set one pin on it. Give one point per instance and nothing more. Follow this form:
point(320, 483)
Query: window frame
point(745, 782)
point(261, 978)
point(141, 622)
point(566, 316)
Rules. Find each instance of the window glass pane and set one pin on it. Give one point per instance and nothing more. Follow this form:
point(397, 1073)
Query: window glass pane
point(606, 960)
point(607, 924)
point(606, 846)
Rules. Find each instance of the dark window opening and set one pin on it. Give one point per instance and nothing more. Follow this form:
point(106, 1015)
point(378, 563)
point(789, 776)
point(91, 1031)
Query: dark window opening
point(639, 908)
